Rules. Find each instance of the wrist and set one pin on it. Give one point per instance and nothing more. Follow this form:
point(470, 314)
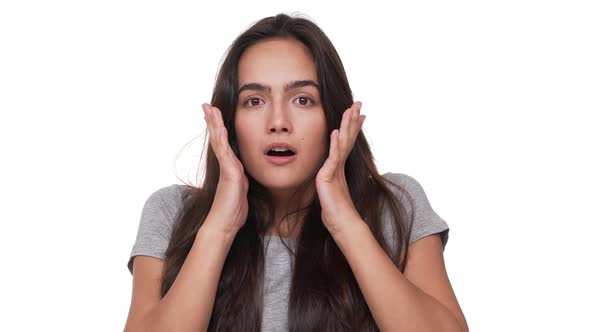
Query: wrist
point(351, 230)
point(209, 230)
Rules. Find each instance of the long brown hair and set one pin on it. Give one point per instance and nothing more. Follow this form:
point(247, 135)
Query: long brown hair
point(324, 294)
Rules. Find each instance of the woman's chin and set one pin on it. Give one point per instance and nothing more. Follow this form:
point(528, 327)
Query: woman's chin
point(275, 183)
point(283, 178)
point(279, 181)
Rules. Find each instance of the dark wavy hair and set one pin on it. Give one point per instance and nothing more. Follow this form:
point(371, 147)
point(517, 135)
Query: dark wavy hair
point(324, 294)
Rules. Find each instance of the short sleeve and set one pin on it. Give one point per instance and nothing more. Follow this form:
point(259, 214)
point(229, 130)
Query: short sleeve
point(426, 220)
point(155, 224)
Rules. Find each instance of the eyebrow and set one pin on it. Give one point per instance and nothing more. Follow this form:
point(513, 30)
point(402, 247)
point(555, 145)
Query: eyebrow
point(289, 86)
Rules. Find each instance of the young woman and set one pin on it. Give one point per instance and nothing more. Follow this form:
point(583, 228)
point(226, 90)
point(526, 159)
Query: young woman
point(293, 228)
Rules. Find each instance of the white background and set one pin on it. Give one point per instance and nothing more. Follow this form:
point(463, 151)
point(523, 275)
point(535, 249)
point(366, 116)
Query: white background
point(484, 103)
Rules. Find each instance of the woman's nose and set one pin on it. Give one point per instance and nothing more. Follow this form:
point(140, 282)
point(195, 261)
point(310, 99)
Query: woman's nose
point(279, 119)
point(277, 129)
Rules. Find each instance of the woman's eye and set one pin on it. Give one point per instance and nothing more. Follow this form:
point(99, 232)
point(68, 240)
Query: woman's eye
point(253, 102)
point(256, 103)
point(308, 100)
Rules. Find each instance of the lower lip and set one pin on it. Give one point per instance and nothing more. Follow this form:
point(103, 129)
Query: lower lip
point(280, 160)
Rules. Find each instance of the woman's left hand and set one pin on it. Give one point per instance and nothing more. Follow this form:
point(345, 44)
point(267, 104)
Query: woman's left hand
point(338, 210)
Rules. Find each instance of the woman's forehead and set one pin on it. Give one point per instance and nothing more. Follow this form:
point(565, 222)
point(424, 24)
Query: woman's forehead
point(275, 63)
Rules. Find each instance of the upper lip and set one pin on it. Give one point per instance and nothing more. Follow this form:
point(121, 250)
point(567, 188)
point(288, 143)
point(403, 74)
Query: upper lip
point(279, 145)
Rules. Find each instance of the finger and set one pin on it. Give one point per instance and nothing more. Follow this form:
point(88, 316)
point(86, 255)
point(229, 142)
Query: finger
point(354, 124)
point(360, 118)
point(333, 160)
point(355, 134)
point(349, 126)
point(344, 125)
point(334, 144)
point(223, 143)
point(227, 152)
point(354, 127)
point(357, 122)
point(357, 111)
point(218, 137)
point(210, 125)
point(347, 133)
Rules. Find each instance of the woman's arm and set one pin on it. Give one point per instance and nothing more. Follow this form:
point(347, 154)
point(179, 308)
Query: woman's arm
point(188, 304)
point(395, 300)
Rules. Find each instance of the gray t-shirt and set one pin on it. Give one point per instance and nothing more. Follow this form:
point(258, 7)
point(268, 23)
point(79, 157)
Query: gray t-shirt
point(161, 207)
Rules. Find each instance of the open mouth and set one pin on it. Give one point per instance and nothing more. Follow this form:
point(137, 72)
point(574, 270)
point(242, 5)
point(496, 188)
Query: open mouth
point(278, 153)
point(281, 156)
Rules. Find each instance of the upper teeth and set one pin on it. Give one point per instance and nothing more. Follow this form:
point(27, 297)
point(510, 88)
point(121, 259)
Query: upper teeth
point(279, 149)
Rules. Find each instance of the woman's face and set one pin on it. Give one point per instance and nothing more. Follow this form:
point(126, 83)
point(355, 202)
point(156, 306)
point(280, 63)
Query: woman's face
point(268, 113)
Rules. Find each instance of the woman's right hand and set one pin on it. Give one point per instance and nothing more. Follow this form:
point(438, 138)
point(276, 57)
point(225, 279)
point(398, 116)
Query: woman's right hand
point(230, 205)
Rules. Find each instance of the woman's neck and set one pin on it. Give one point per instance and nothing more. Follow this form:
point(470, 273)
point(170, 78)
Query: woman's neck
point(287, 201)
point(285, 229)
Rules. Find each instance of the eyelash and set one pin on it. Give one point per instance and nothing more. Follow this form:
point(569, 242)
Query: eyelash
point(311, 101)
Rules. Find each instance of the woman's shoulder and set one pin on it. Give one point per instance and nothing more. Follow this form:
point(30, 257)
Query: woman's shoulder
point(405, 184)
point(156, 222)
point(166, 200)
point(171, 193)
point(167, 190)
point(402, 179)
point(413, 198)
